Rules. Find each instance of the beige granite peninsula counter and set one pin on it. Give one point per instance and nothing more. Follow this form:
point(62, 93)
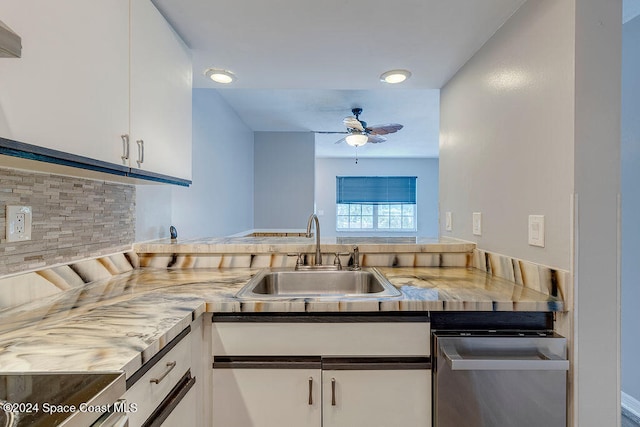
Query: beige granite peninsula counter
point(119, 323)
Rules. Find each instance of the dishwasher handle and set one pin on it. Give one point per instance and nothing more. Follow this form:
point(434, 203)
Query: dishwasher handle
point(545, 362)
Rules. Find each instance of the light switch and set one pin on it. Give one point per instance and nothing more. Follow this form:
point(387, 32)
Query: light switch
point(536, 230)
point(477, 224)
point(448, 225)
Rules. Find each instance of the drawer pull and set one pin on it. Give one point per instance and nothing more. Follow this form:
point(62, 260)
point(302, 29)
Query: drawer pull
point(310, 391)
point(333, 392)
point(170, 365)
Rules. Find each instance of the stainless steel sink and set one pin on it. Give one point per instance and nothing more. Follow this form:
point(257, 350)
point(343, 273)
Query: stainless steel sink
point(289, 283)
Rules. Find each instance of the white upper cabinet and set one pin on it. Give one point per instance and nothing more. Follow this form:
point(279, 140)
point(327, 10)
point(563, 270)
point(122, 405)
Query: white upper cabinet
point(92, 71)
point(70, 89)
point(160, 94)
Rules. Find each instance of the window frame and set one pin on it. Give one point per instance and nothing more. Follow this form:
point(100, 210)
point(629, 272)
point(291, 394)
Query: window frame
point(402, 196)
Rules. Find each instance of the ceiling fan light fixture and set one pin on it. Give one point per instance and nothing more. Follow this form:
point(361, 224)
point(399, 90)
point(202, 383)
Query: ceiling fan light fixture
point(395, 76)
point(219, 75)
point(357, 139)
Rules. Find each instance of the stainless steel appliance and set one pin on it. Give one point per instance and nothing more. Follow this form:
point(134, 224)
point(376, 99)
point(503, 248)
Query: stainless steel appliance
point(498, 379)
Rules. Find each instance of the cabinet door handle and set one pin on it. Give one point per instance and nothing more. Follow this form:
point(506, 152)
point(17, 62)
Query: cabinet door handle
point(170, 365)
point(125, 148)
point(310, 391)
point(140, 160)
point(333, 392)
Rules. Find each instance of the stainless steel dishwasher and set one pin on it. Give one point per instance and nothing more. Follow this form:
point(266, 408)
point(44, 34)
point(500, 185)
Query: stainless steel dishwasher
point(499, 379)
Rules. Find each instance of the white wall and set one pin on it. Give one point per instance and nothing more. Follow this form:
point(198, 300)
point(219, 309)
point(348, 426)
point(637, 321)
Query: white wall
point(427, 188)
point(153, 212)
point(283, 180)
point(220, 200)
point(506, 134)
point(630, 148)
point(529, 124)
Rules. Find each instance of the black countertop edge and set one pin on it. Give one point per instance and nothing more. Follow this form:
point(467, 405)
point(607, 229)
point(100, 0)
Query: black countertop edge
point(152, 176)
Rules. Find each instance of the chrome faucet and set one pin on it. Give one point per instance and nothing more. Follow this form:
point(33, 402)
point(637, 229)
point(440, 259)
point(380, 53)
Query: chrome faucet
point(318, 260)
point(356, 258)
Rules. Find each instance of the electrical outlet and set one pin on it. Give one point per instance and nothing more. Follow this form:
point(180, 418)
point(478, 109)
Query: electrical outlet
point(448, 223)
point(18, 223)
point(477, 224)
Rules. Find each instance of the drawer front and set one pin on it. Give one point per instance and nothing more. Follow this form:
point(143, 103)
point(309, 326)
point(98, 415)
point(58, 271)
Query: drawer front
point(157, 382)
point(321, 339)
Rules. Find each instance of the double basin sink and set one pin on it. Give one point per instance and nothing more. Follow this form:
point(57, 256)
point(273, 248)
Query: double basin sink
point(271, 283)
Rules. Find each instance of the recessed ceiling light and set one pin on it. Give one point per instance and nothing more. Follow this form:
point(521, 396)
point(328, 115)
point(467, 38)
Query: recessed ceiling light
point(220, 76)
point(395, 76)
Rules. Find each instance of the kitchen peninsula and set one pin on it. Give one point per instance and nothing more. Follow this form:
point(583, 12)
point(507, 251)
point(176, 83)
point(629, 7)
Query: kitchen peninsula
point(142, 300)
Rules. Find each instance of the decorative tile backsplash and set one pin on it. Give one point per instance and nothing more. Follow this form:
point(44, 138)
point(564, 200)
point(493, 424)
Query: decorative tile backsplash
point(73, 218)
point(547, 280)
point(262, 260)
point(28, 287)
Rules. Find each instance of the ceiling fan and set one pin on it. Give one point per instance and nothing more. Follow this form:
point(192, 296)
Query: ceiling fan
point(358, 133)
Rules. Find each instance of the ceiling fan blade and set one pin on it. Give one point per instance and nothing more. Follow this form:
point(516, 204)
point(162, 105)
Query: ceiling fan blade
point(352, 123)
point(375, 139)
point(384, 129)
point(327, 132)
point(341, 140)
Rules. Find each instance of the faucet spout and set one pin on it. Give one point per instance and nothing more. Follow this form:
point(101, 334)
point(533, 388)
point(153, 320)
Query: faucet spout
point(318, 260)
point(356, 258)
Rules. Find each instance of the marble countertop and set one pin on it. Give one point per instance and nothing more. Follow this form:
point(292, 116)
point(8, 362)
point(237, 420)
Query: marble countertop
point(121, 322)
point(254, 245)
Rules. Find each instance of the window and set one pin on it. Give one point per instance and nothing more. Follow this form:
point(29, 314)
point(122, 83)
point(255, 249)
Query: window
point(376, 203)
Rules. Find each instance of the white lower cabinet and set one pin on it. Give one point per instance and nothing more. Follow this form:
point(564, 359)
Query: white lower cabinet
point(327, 374)
point(267, 397)
point(256, 397)
point(377, 398)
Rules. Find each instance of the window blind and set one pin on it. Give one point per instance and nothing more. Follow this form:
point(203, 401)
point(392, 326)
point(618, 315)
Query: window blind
point(376, 189)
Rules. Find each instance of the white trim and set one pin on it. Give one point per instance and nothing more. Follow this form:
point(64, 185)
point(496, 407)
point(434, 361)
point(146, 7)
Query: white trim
point(619, 305)
point(630, 404)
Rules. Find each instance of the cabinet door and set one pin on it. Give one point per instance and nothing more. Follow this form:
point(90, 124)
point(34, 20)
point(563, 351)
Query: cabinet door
point(266, 397)
point(70, 89)
point(377, 398)
point(160, 94)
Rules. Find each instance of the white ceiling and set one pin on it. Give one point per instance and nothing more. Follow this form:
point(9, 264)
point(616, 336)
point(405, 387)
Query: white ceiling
point(303, 64)
point(302, 110)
